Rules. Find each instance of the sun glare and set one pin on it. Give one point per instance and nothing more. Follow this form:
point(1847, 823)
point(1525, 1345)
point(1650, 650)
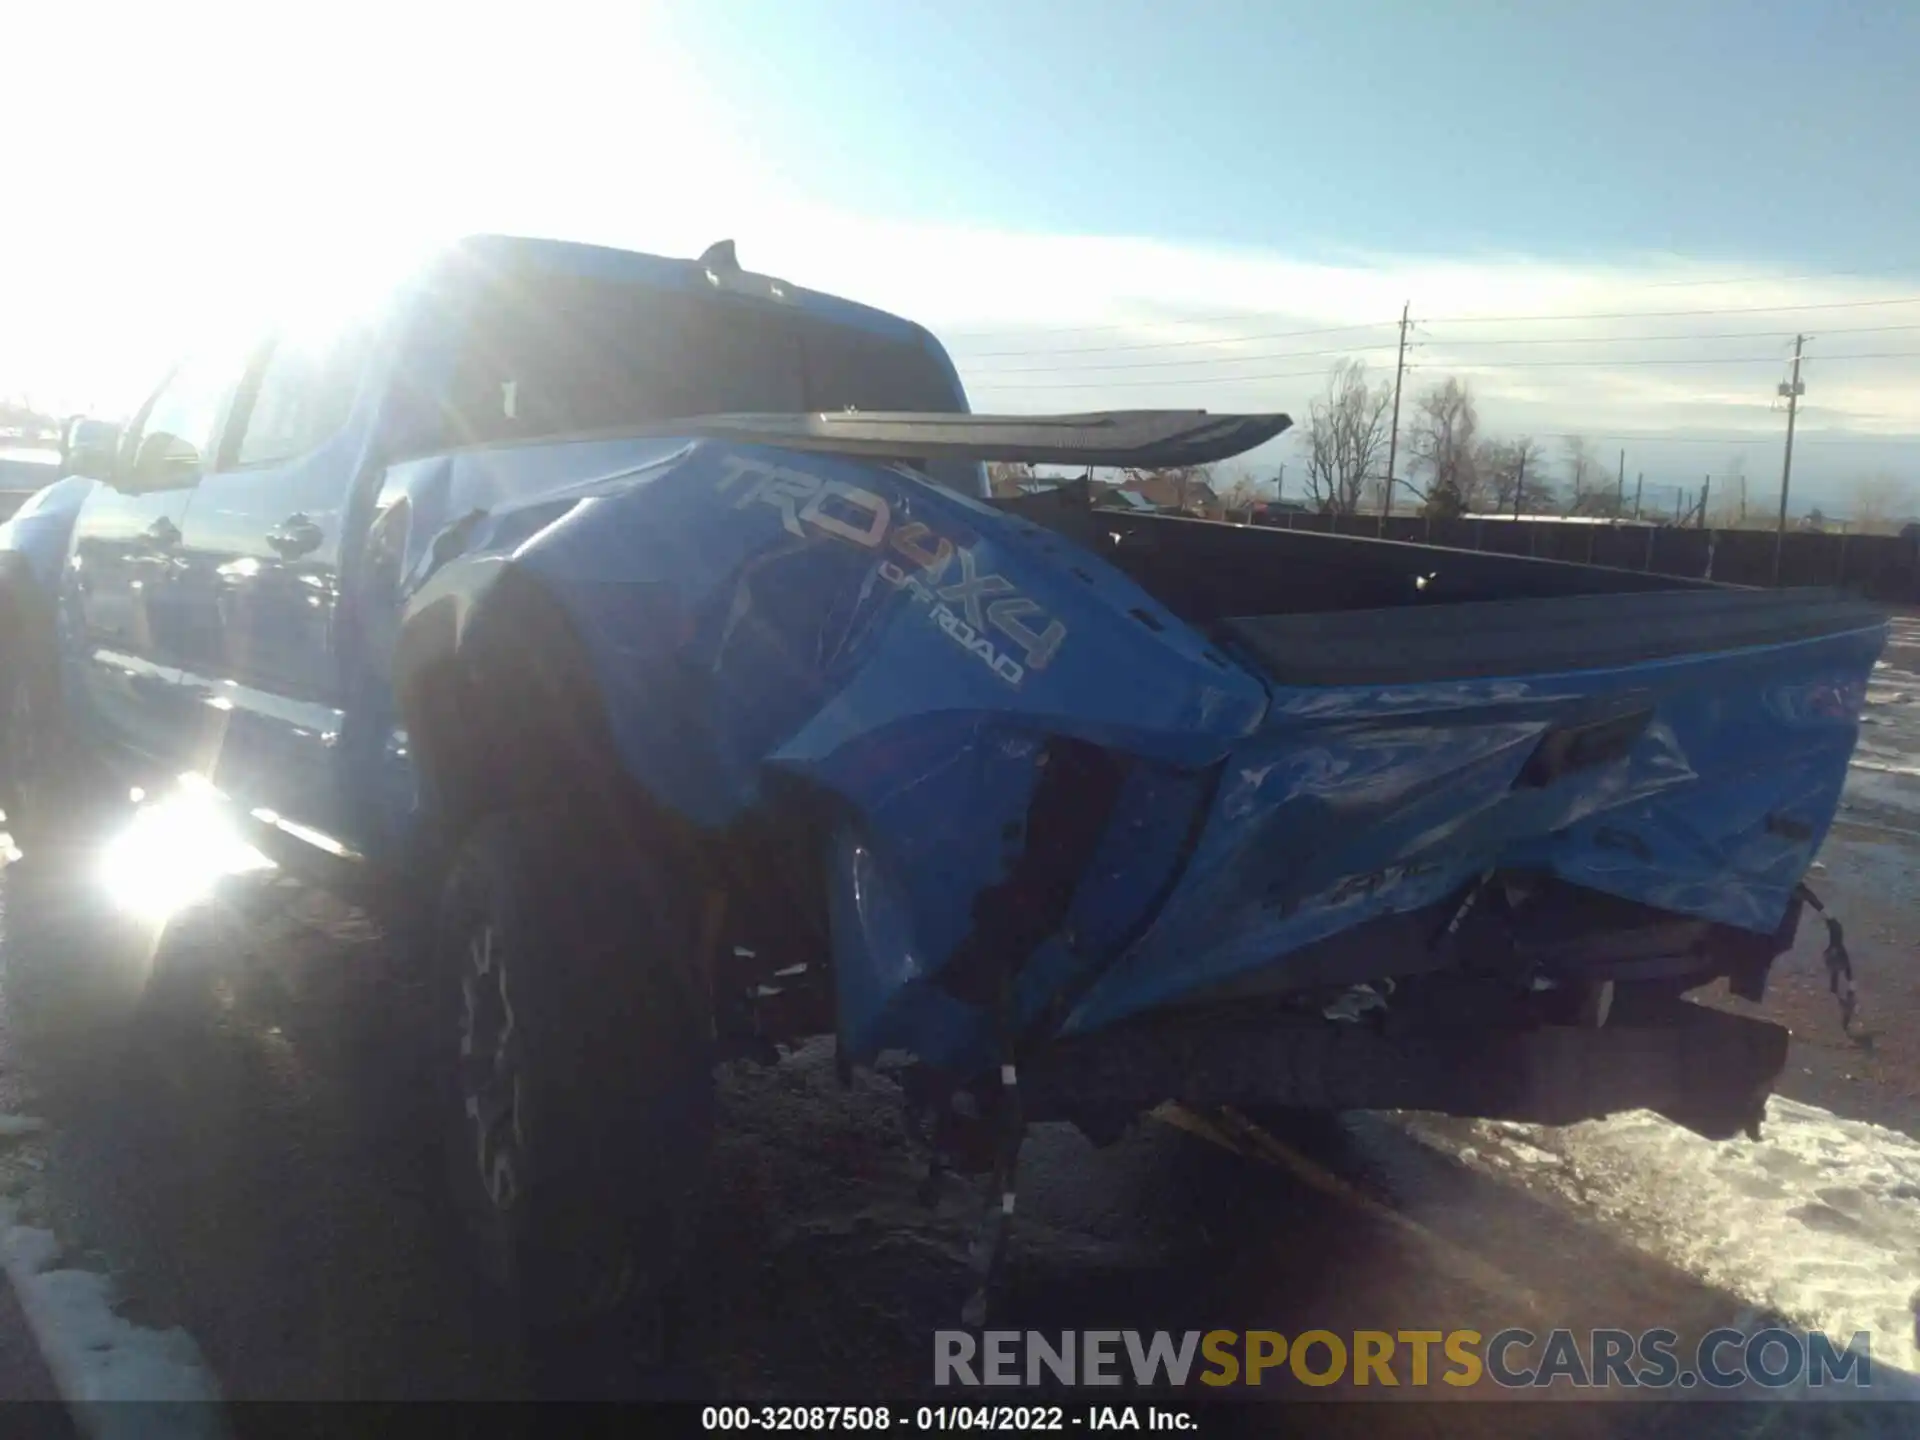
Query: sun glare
point(172, 853)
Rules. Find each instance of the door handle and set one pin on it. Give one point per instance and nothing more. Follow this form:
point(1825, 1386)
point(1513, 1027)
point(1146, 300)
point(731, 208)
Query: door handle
point(162, 534)
point(295, 536)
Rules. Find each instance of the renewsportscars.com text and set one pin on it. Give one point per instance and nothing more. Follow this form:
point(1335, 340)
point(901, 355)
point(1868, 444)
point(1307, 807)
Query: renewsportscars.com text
point(1516, 1359)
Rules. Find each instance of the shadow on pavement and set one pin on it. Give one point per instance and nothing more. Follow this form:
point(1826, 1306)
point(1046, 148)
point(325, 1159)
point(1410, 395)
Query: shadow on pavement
point(238, 1122)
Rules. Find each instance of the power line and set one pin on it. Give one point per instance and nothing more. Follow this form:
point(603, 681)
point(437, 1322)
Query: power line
point(1710, 335)
point(1261, 356)
point(1801, 441)
point(989, 377)
point(1674, 314)
point(1757, 280)
point(1767, 440)
point(1238, 318)
point(1244, 316)
point(1031, 352)
point(1685, 360)
point(1136, 384)
point(1201, 360)
point(1176, 344)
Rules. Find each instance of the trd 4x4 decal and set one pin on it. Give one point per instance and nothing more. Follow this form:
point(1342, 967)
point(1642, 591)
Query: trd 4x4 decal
point(970, 608)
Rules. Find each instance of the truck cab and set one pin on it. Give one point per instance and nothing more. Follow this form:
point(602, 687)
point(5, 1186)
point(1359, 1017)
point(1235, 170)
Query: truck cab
point(208, 584)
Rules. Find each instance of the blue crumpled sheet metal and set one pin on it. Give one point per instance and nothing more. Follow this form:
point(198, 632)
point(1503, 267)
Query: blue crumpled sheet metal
point(1352, 804)
point(756, 612)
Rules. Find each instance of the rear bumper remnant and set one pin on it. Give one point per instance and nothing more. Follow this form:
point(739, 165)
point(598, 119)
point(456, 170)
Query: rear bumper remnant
point(1704, 1069)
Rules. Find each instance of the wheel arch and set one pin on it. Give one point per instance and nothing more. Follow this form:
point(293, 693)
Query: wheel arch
point(22, 597)
point(503, 705)
point(27, 616)
point(501, 702)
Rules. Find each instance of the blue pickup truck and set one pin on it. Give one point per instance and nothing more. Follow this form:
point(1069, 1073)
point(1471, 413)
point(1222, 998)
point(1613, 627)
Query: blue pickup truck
point(639, 636)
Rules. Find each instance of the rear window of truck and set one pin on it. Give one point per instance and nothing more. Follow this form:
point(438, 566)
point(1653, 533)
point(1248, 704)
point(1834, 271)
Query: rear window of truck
point(551, 355)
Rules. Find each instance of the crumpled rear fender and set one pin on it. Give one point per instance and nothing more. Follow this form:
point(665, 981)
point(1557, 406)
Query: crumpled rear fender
point(959, 681)
point(924, 660)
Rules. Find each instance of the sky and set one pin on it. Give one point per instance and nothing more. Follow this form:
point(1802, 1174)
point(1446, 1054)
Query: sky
point(1611, 219)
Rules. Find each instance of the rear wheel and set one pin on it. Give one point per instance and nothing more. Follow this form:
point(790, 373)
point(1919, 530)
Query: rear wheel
point(37, 782)
point(576, 1056)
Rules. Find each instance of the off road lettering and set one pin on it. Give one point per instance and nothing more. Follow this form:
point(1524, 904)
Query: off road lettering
point(965, 610)
point(1010, 618)
point(971, 586)
point(972, 641)
point(860, 516)
point(910, 540)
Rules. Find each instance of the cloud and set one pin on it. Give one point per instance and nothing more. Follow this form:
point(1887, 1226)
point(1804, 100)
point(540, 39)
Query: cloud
point(1676, 360)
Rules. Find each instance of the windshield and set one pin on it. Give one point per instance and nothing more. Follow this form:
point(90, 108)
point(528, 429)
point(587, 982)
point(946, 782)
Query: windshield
point(548, 355)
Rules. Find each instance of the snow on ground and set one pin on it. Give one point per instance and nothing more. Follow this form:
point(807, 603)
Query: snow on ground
point(97, 1356)
point(1817, 1222)
point(1890, 724)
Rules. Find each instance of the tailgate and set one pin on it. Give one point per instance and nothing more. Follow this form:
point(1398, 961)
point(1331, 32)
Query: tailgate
point(1685, 750)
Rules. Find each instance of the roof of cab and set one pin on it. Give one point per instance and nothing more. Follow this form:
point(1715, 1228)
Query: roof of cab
point(635, 268)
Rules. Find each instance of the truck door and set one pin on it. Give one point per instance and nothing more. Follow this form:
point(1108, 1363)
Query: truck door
point(260, 583)
point(118, 593)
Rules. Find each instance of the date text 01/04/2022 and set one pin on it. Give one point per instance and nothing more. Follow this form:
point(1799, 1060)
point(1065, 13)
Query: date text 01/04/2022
point(991, 1419)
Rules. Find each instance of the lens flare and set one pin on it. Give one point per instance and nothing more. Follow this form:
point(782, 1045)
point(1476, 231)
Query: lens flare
point(173, 851)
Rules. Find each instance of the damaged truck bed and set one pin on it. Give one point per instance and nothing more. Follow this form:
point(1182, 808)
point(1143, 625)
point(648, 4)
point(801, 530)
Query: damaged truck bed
point(1302, 820)
point(1170, 809)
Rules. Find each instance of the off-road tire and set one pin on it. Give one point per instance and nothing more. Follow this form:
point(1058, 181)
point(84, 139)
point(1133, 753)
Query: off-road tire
point(571, 1013)
point(46, 805)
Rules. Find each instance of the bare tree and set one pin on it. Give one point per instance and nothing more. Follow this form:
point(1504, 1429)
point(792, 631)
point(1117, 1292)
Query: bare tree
point(1241, 493)
point(1008, 477)
point(1346, 438)
point(1507, 465)
point(1586, 473)
point(1599, 501)
point(1727, 509)
point(1876, 504)
point(1445, 426)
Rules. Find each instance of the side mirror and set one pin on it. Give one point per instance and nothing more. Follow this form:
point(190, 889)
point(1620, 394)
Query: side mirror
point(92, 449)
point(163, 462)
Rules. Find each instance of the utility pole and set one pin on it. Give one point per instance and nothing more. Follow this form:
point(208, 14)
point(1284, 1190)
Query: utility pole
point(1519, 482)
point(1620, 488)
point(1706, 489)
point(1679, 494)
point(1393, 435)
point(1639, 482)
point(1793, 390)
point(1280, 485)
